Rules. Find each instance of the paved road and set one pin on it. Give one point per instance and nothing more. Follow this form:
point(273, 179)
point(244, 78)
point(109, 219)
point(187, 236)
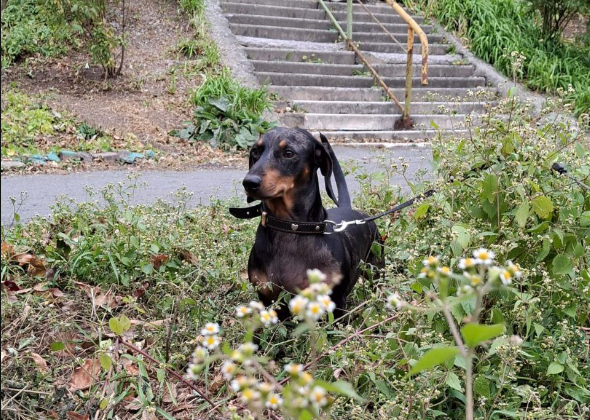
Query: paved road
point(44, 190)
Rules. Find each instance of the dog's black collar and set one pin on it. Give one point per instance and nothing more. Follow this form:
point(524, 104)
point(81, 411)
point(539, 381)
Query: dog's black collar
point(287, 226)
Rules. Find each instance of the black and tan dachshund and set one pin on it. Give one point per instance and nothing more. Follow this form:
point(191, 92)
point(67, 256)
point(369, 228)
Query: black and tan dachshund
point(283, 176)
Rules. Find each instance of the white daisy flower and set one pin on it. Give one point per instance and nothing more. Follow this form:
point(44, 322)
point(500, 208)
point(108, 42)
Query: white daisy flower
point(265, 387)
point(297, 305)
point(318, 397)
point(445, 271)
point(256, 305)
point(273, 401)
point(212, 342)
point(293, 369)
point(228, 369)
point(327, 303)
point(268, 317)
point(483, 256)
point(514, 269)
point(248, 348)
point(314, 310)
point(211, 328)
point(466, 263)
point(192, 372)
point(200, 354)
point(320, 288)
point(239, 383)
point(242, 311)
point(316, 276)
point(394, 301)
point(249, 395)
point(431, 261)
point(506, 277)
point(473, 278)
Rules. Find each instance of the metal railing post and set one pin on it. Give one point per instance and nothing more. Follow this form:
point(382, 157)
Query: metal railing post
point(349, 19)
point(409, 74)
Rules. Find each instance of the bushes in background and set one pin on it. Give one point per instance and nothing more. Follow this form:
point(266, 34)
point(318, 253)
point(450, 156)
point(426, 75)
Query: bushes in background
point(496, 28)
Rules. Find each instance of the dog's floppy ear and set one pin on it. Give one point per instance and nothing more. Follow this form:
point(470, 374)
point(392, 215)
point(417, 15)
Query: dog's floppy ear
point(324, 161)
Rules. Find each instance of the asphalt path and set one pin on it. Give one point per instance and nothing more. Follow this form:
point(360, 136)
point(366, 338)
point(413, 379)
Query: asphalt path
point(42, 191)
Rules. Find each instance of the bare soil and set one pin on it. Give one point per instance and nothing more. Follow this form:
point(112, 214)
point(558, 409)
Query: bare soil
point(146, 101)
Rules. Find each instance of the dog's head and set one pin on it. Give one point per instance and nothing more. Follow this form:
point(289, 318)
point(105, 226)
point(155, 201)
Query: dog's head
point(283, 161)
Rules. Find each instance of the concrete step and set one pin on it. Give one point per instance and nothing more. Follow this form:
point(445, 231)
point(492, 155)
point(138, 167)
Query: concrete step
point(362, 16)
point(421, 94)
point(400, 36)
point(284, 22)
point(315, 93)
point(389, 136)
point(297, 79)
point(281, 54)
point(270, 10)
point(355, 107)
point(278, 32)
point(385, 70)
point(300, 4)
point(391, 27)
point(393, 48)
point(370, 122)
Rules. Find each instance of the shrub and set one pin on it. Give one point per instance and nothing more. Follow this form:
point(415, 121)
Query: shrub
point(227, 114)
point(495, 28)
point(556, 14)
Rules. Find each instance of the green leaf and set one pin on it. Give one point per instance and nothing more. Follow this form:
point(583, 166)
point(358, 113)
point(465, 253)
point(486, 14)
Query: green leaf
point(164, 414)
point(490, 187)
point(105, 362)
point(103, 403)
point(554, 368)
point(434, 357)
point(421, 211)
point(341, 388)
point(474, 334)
point(562, 264)
point(481, 386)
point(463, 235)
point(57, 346)
point(522, 214)
point(119, 325)
point(542, 206)
point(453, 381)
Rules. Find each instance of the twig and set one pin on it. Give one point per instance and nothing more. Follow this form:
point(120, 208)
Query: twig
point(454, 330)
point(27, 391)
point(171, 372)
point(342, 342)
point(107, 378)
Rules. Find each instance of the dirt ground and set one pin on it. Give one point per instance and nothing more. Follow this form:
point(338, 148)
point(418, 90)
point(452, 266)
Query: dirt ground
point(147, 100)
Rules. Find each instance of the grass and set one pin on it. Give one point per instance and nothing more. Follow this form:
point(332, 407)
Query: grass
point(493, 29)
point(30, 127)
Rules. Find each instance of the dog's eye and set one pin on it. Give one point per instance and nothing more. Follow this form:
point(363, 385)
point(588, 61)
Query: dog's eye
point(255, 153)
point(288, 154)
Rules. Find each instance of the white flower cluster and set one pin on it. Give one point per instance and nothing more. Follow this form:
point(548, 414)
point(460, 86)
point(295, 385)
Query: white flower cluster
point(304, 392)
point(314, 301)
point(257, 311)
point(209, 340)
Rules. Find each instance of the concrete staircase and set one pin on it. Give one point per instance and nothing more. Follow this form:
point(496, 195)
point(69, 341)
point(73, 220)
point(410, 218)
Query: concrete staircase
point(320, 85)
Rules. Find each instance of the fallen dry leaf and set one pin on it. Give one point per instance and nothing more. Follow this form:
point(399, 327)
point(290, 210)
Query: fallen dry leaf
point(158, 261)
point(189, 257)
point(37, 268)
point(216, 383)
point(7, 249)
point(148, 415)
point(40, 362)
point(24, 258)
point(98, 296)
point(84, 376)
point(134, 405)
point(129, 366)
point(140, 291)
point(3, 354)
point(72, 415)
point(9, 286)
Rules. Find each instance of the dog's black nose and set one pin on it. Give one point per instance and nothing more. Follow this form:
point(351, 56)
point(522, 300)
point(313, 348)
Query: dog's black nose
point(252, 182)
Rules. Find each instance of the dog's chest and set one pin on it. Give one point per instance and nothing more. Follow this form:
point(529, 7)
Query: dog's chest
point(286, 261)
